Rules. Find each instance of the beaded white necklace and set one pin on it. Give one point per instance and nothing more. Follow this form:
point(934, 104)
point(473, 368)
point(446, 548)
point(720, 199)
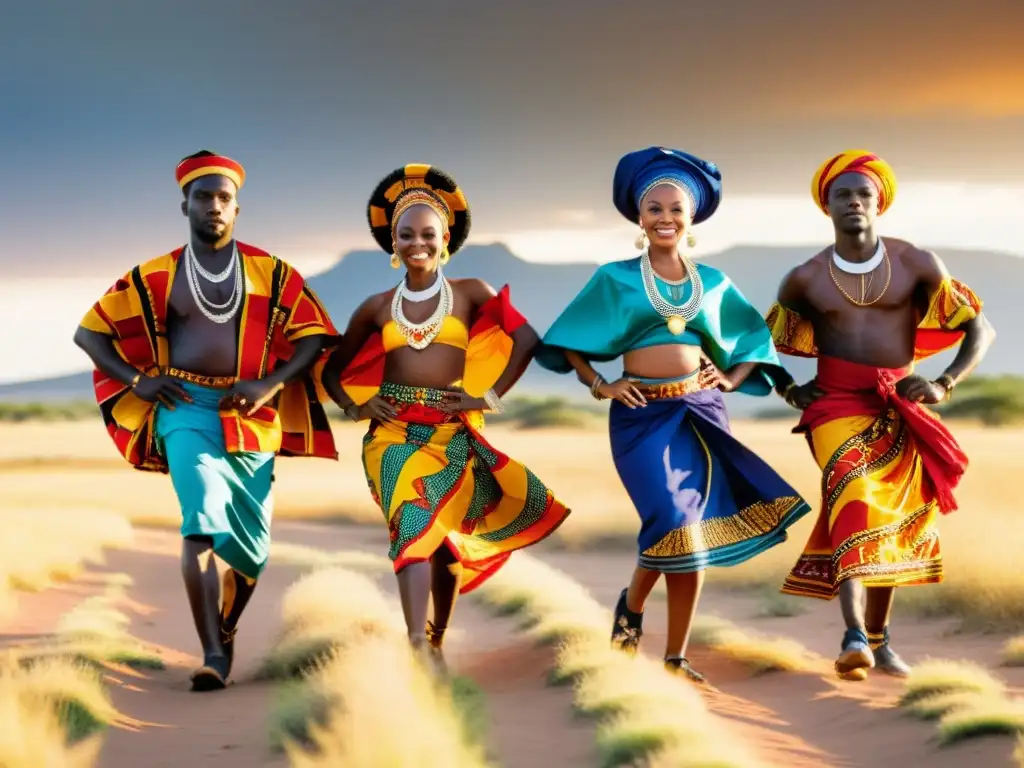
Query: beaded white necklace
point(421, 335)
point(215, 312)
point(676, 316)
point(427, 293)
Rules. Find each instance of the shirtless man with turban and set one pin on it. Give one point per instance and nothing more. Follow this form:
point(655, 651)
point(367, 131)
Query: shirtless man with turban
point(868, 308)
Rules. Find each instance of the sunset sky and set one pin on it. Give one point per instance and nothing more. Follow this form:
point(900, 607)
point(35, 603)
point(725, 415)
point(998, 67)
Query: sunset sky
point(528, 105)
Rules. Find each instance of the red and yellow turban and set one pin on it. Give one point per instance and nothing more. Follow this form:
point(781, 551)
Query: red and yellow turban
point(191, 168)
point(859, 161)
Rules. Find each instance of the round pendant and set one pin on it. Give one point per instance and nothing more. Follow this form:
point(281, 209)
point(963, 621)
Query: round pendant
point(676, 325)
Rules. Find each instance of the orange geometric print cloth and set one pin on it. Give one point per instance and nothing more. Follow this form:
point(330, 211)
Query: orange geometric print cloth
point(278, 310)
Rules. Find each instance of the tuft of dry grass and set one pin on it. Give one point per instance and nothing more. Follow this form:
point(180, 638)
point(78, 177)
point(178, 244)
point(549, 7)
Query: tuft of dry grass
point(387, 710)
point(325, 610)
point(1013, 652)
point(939, 676)
point(53, 545)
point(93, 633)
point(937, 705)
point(761, 654)
point(645, 713)
point(51, 714)
point(966, 700)
point(988, 715)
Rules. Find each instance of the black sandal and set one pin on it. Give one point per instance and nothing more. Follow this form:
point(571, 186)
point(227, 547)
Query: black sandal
point(681, 666)
point(212, 676)
point(886, 659)
point(627, 628)
point(227, 640)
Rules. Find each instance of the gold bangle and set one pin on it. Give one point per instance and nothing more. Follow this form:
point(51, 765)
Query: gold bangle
point(947, 383)
point(789, 388)
point(135, 380)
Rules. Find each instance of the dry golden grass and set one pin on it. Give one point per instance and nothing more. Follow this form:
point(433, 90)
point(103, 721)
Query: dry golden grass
point(49, 545)
point(1018, 753)
point(761, 654)
point(386, 710)
point(323, 611)
point(989, 715)
point(360, 680)
point(965, 698)
point(983, 584)
point(646, 713)
point(51, 714)
point(938, 676)
point(1013, 652)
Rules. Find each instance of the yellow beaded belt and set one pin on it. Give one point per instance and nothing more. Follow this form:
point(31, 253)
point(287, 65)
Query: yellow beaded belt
point(669, 389)
point(214, 382)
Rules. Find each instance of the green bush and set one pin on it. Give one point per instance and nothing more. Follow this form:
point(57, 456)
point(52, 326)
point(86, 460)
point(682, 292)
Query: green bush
point(73, 410)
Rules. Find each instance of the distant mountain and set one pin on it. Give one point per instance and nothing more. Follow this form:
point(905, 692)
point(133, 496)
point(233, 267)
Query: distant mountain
point(540, 291)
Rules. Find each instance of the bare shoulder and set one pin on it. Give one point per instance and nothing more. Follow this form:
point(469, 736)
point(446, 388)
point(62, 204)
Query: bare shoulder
point(476, 290)
point(924, 264)
point(803, 273)
point(375, 303)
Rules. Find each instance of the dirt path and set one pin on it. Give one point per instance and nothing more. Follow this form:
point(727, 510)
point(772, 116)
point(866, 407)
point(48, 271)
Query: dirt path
point(813, 719)
point(801, 720)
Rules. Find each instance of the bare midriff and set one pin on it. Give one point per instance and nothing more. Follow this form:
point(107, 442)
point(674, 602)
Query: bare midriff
point(664, 361)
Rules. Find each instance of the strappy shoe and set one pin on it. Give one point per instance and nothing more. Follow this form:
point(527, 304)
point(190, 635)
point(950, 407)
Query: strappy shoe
point(855, 657)
point(627, 628)
point(433, 653)
point(681, 666)
point(886, 659)
point(227, 639)
point(212, 676)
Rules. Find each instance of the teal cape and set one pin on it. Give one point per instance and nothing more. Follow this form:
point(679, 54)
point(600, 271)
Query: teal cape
point(612, 316)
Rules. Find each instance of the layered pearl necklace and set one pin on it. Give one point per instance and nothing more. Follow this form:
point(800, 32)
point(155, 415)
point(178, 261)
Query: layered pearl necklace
point(214, 312)
point(676, 316)
point(421, 335)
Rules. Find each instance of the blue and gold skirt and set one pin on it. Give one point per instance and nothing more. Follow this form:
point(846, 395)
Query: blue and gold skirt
point(703, 497)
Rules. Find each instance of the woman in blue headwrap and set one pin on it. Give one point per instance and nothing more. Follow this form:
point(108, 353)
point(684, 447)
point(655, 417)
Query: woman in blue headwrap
point(686, 335)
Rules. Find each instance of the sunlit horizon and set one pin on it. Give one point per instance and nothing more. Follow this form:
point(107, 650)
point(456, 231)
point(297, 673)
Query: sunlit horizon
point(933, 215)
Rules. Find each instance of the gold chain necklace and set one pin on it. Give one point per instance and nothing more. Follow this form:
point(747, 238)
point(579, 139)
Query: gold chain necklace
point(862, 302)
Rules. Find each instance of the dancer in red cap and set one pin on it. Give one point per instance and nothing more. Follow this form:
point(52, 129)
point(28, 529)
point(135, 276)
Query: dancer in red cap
point(203, 369)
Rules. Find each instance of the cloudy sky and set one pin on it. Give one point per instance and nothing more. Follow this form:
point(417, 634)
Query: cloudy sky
point(527, 104)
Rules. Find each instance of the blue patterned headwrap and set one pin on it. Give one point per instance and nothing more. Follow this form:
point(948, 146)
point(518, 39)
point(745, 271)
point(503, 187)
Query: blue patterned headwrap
point(639, 172)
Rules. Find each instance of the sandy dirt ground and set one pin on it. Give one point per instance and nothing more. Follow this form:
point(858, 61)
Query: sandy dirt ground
point(806, 719)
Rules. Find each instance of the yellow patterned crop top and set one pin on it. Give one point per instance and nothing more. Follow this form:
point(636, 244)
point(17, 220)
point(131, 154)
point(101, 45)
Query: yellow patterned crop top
point(453, 333)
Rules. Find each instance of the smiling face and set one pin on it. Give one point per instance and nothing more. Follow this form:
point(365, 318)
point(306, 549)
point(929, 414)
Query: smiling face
point(853, 203)
point(420, 237)
point(665, 215)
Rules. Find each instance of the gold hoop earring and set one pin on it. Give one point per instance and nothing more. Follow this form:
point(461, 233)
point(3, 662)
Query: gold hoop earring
point(395, 261)
point(641, 241)
point(691, 239)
